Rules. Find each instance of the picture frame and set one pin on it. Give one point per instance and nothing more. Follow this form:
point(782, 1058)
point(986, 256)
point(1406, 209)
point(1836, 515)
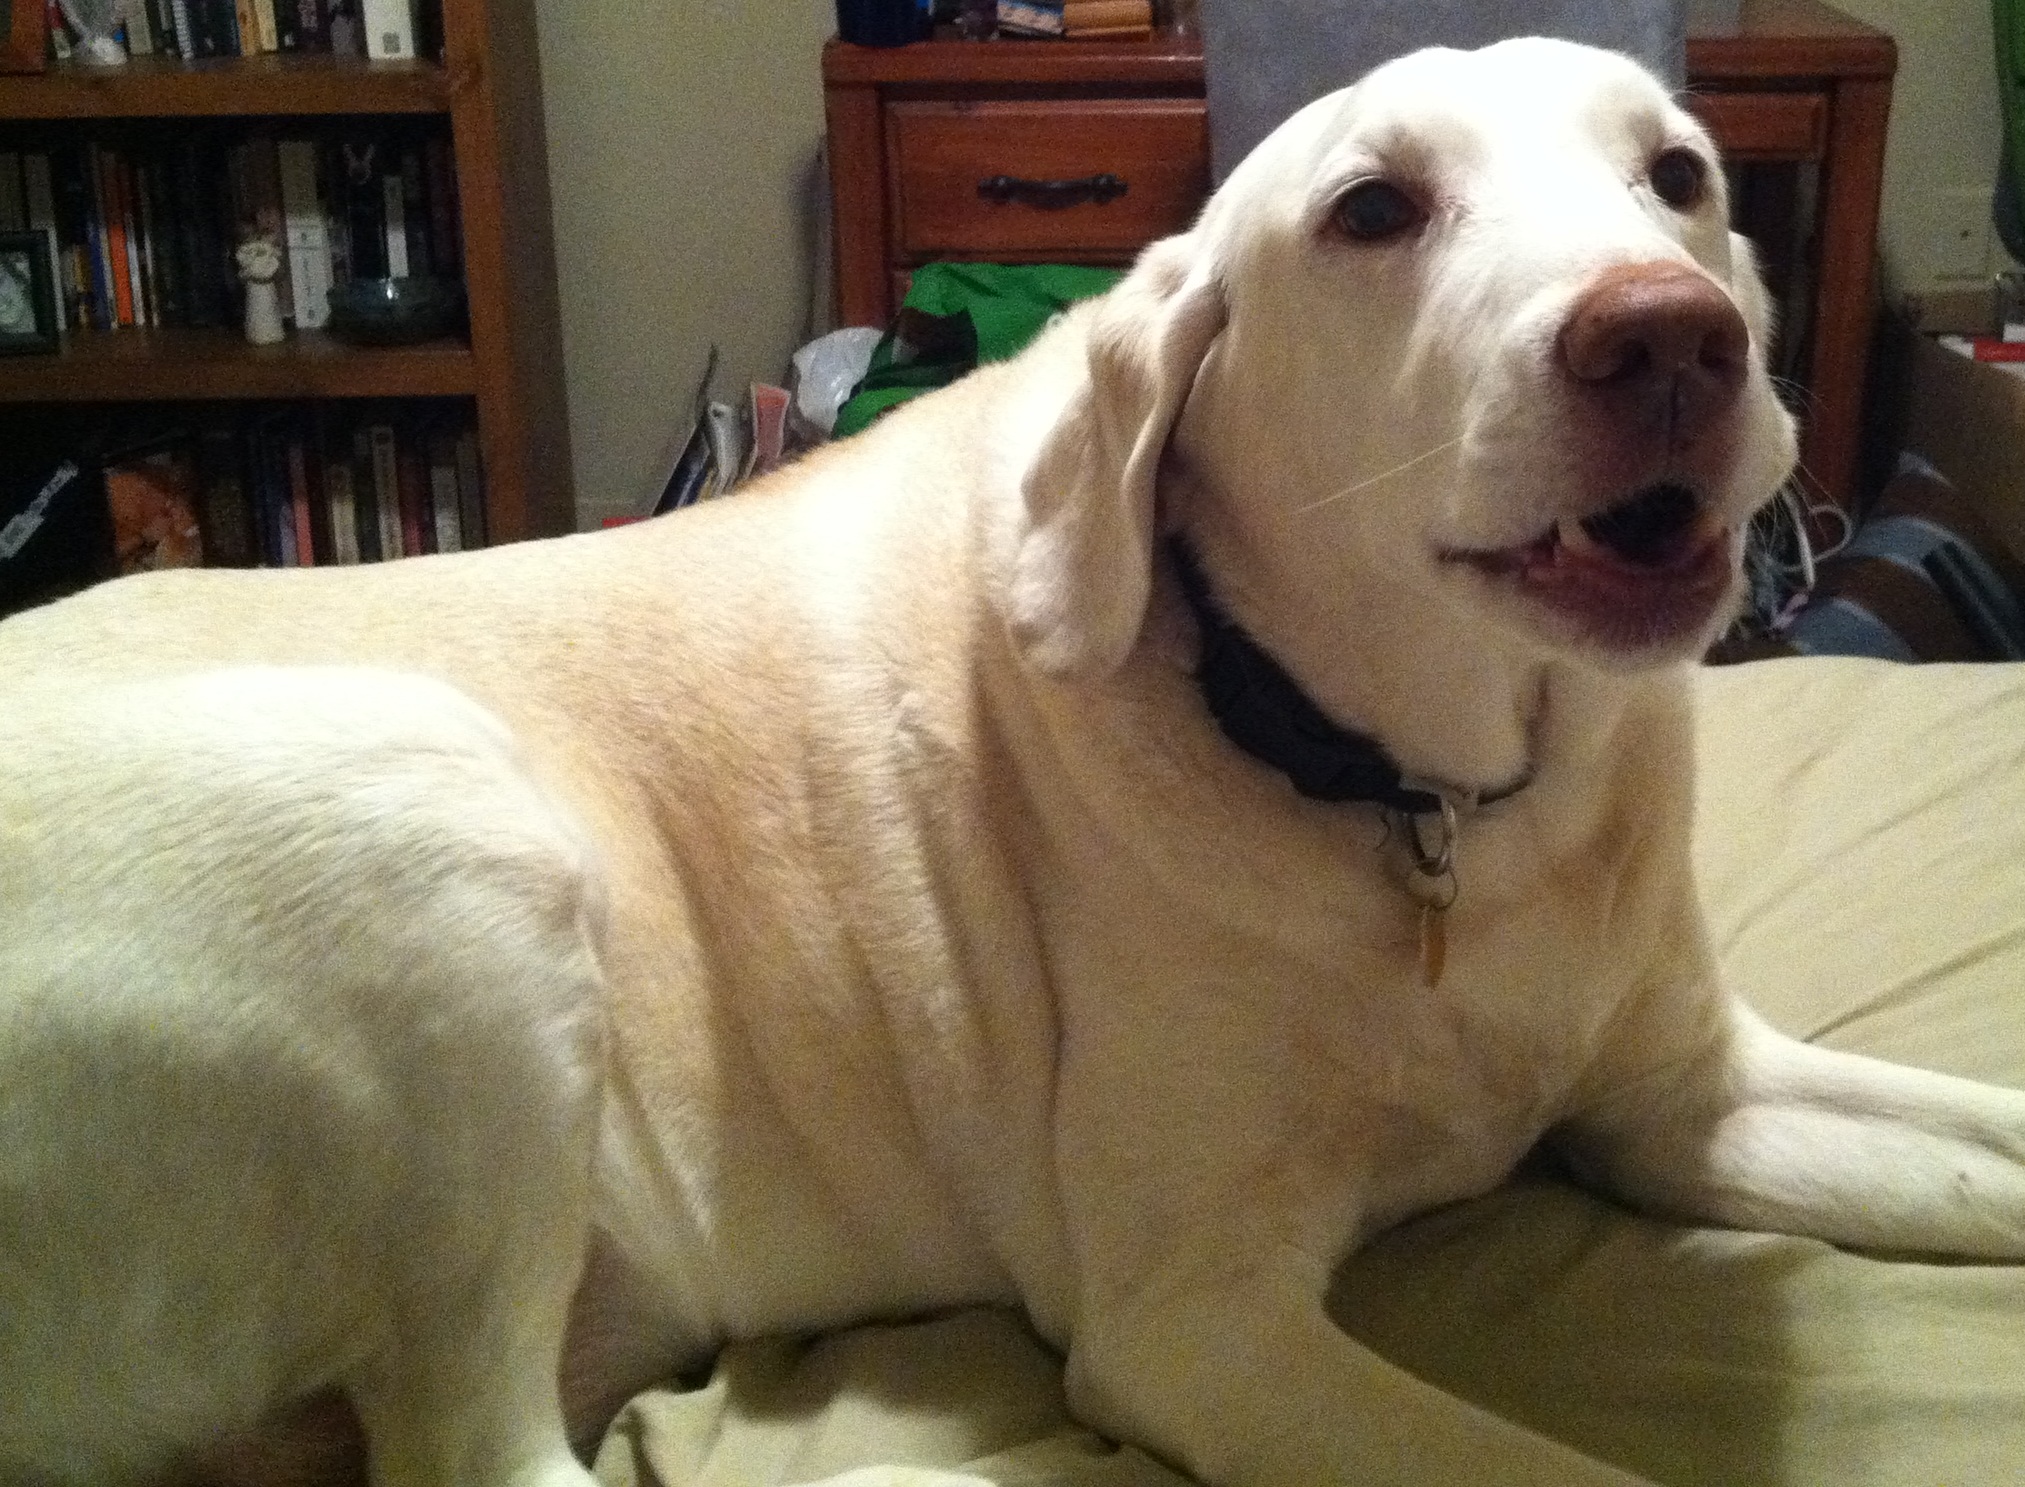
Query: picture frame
point(24, 36)
point(30, 319)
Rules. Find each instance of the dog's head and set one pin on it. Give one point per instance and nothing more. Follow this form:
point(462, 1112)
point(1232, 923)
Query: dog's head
point(1471, 339)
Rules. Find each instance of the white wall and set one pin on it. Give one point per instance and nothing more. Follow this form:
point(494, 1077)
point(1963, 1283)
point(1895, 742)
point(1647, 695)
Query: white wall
point(682, 142)
point(1945, 140)
point(682, 148)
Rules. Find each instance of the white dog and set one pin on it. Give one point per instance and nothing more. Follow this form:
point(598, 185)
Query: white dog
point(1107, 840)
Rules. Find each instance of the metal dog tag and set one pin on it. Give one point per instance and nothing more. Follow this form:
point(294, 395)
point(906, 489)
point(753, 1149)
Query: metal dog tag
point(1433, 944)
point(1433, 883)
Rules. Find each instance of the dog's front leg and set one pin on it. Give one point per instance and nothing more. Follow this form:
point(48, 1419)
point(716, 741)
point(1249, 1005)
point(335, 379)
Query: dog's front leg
point(1746, 1127)
point(1235, 1373)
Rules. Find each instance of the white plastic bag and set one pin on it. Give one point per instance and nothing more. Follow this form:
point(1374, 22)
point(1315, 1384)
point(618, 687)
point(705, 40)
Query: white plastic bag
point(827, 369)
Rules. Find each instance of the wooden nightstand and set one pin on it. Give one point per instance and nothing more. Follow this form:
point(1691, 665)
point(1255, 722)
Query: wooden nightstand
point(1016, 151)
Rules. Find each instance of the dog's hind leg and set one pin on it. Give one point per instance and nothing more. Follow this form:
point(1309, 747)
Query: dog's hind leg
point(469, 1398)
point(467, 1393)
point(305, 1031)
point(505, 1118)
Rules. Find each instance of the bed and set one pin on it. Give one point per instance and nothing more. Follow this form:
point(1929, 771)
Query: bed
point(1861, 845)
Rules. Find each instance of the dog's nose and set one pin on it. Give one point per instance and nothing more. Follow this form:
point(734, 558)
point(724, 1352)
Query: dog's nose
point(1660, 345)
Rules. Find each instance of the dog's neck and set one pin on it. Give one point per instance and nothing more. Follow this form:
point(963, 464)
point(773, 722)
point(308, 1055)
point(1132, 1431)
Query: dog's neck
point(1444, 707)
point(1264, 712)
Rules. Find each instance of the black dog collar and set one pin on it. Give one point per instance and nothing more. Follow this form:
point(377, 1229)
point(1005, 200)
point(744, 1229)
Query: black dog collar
point(1264, 712)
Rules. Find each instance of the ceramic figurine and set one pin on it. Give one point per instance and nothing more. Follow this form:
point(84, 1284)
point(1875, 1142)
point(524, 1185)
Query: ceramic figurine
point(259, 263)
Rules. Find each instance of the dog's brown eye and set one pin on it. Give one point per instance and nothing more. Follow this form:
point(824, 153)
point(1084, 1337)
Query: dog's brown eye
point(1678, 177)
point(1371, 210)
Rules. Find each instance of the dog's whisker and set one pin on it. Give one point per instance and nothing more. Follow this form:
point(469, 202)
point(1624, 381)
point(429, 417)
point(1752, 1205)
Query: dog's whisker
point(1366, 484)
point(1797, 396)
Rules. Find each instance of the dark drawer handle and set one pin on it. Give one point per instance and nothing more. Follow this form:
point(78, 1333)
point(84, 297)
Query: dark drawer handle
point(1052, 196)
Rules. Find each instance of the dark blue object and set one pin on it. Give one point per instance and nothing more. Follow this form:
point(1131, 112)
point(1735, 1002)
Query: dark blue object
point(881, 22)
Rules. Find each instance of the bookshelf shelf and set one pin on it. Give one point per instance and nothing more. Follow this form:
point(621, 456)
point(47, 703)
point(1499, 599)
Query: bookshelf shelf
point(181, 365)
point(165, 87)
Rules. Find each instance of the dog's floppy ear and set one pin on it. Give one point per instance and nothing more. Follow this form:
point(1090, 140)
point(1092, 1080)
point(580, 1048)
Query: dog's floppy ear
point(1084, 565)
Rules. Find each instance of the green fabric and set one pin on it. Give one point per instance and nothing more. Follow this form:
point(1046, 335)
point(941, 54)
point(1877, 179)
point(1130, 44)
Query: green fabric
point(958, 316)
point(1007, 302)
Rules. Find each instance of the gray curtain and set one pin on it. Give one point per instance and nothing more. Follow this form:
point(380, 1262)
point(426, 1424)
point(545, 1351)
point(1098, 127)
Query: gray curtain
point(1265, 58)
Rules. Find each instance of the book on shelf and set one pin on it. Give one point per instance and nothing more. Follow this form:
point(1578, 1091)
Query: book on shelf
point(470, 489)
point(209, 31)
point(58, 29)
point(418, 526)
point(224, 511)
point(269, 484)
point(182, 29)
point(1100, 18)
point(344, 28)
point(112, 219)
point(305, 505)
point(1029, 18)
point(446, 220)
point(193, 29)
point(389, 27)
point(366, 523)
point(415, 215)
point(139, 31)
point(13, 193)
point(312, 25)
point(383, 484)
point(143, 228)
point(306, 232)
point(394, 217)
point(265, 25)
point(344, 509)
point(446, 510)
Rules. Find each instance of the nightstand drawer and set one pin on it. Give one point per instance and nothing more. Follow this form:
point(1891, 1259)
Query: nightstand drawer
point(1094, 178)
point(1764, 126)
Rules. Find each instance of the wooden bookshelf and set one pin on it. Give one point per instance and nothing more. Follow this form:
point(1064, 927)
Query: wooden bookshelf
point(489, 87)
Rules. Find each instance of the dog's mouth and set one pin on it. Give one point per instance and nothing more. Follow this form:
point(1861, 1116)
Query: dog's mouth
point(1646, 571)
